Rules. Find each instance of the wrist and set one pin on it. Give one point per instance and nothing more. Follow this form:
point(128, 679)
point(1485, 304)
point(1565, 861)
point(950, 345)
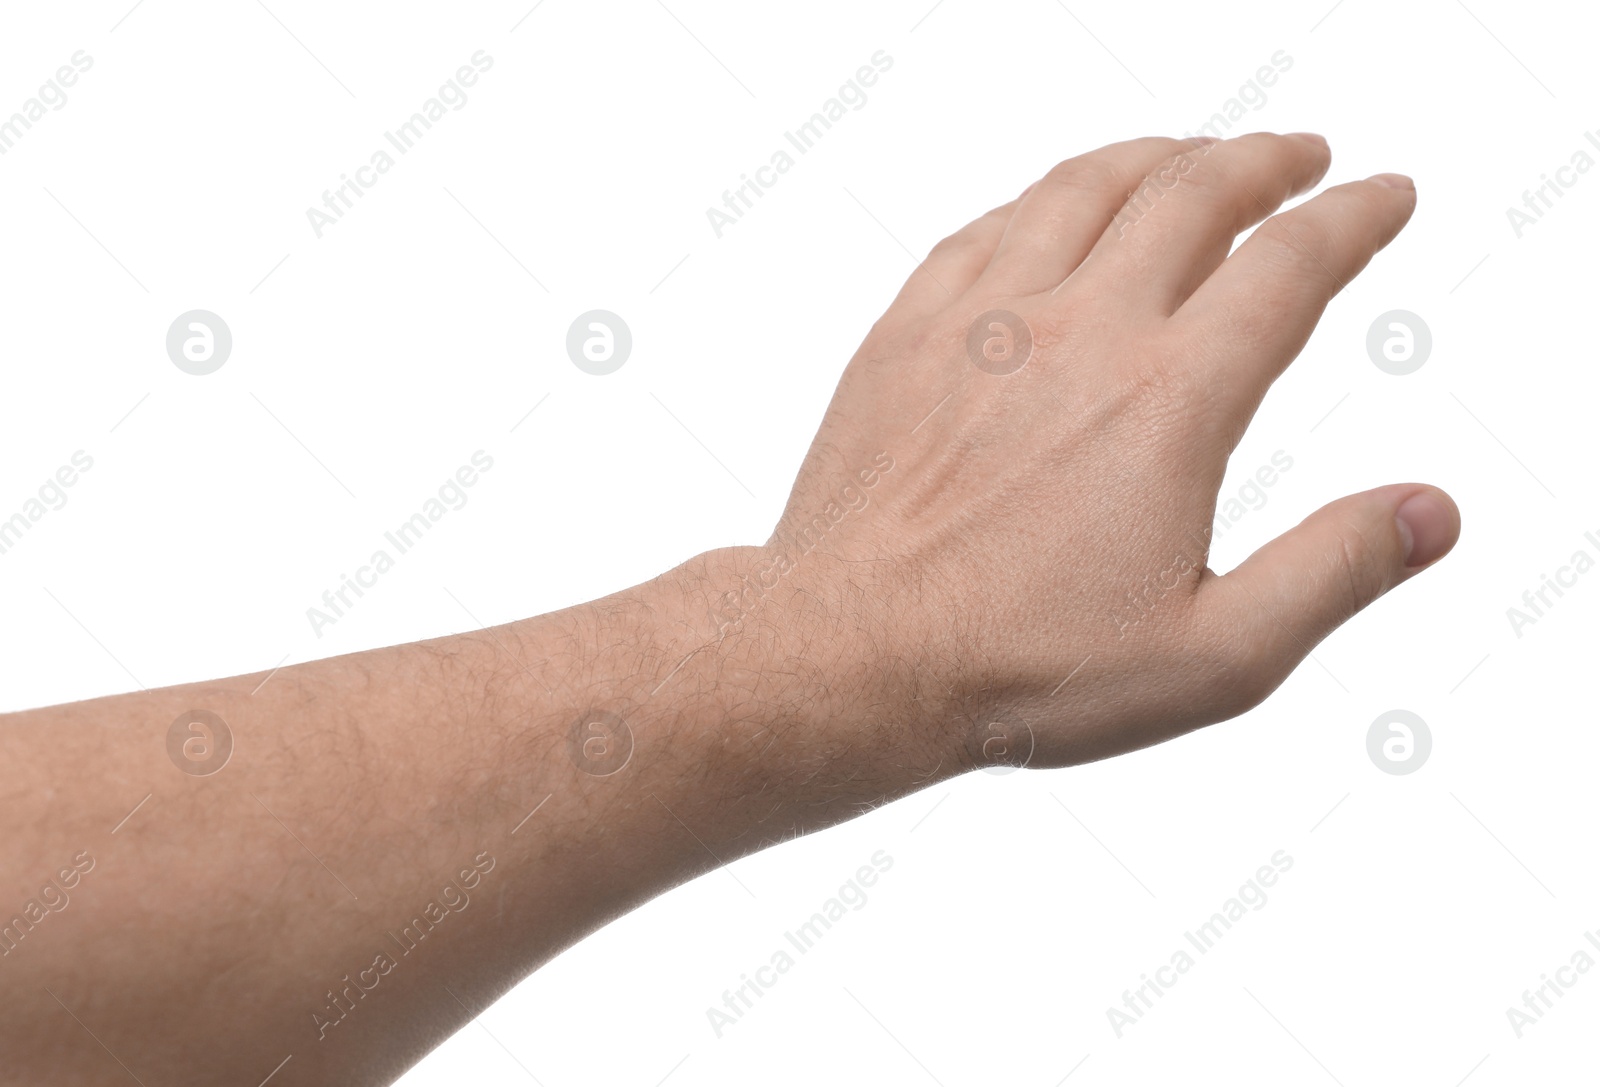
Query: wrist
point(745, 706)
point(823, 696)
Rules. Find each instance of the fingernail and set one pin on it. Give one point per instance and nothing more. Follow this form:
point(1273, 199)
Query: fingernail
point(1428, 524)
point(1203, 141)
point(1394, 181)
point(1311, 137)
point(1028, 190)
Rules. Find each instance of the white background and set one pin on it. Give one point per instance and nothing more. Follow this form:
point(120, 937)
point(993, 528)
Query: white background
point(372, 362)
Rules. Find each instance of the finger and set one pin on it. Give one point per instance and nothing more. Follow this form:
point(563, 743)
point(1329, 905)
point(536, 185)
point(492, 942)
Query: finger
point(1068, 209)
point(953, 265)
point(1297, 589)
point(1261, 305)
point(1179, 225)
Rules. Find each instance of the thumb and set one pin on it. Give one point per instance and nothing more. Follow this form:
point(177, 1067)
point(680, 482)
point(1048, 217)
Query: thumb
point(1299, 588)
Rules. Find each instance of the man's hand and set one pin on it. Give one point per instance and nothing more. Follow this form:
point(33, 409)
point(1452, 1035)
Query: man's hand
point(1058, 389)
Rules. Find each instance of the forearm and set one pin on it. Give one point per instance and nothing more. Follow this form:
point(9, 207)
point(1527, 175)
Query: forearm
point(531, 781)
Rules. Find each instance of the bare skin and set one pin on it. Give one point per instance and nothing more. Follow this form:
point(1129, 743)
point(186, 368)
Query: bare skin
point(958, 543)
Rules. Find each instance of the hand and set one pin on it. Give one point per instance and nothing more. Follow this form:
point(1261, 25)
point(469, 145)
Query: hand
point(1008, 498)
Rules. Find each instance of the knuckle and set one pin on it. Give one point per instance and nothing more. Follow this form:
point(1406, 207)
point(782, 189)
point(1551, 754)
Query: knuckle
point(1299, 244)
point(1087, 174)
point(1357, 572)
point(961, 243)
point(1180, 171)
point(1201, 178)
point(960, 247)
